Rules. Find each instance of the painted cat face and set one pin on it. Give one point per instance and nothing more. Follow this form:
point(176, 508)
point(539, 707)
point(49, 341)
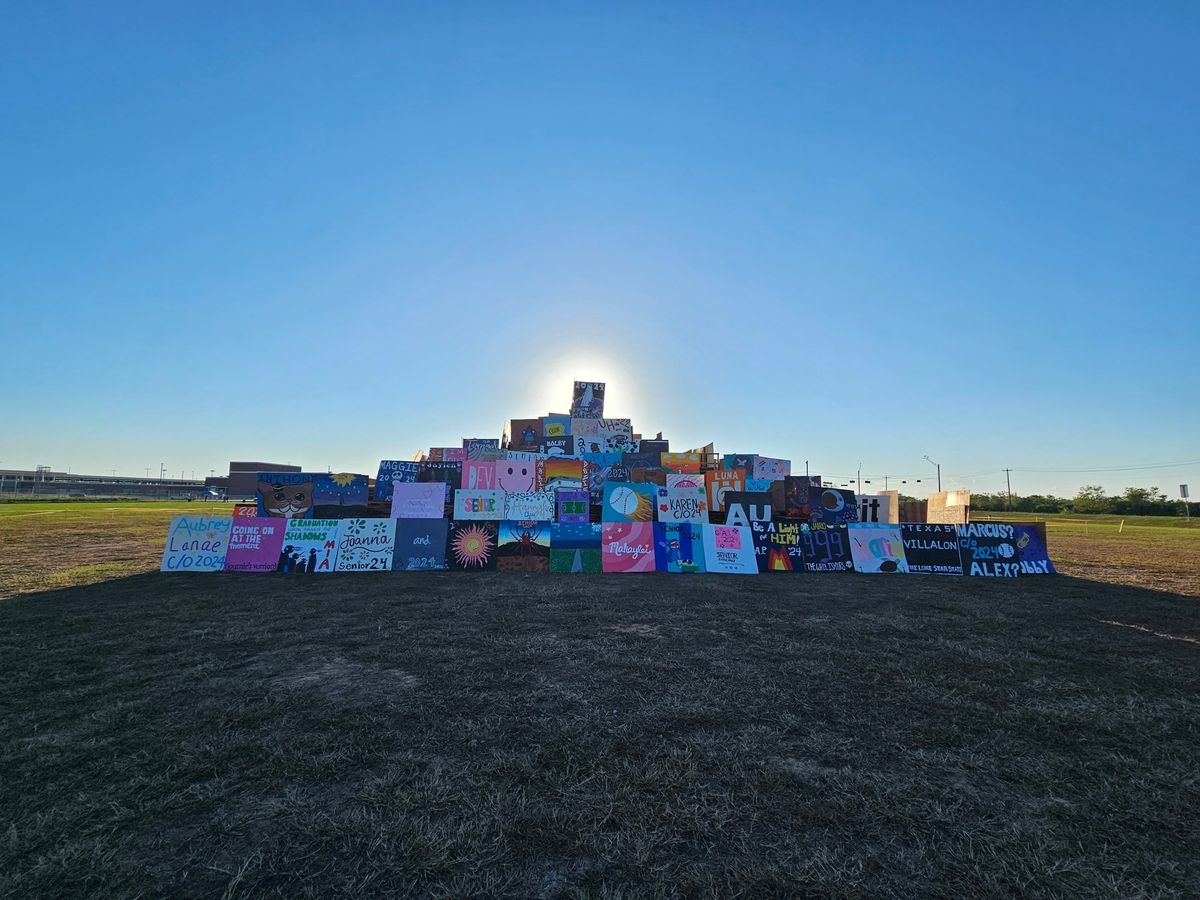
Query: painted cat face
point(514, 476)
point(286, 500)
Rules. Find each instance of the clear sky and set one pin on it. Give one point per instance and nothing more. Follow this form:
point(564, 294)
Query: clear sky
point(840, 233)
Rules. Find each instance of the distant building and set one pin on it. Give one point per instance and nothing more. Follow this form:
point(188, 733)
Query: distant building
point(46, 482)
point(243, 476)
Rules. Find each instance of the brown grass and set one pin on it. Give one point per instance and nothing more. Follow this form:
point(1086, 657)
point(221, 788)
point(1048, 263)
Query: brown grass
point(1157, 560)
point(514, 735)
point(53, 545)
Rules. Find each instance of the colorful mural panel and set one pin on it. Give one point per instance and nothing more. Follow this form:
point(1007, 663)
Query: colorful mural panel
point(535, 505)
point(485, 505)
point(420, 545)
point(729, 550)
point(575, 548)
point(523, 546)
point(628, 502)
point(366, 545)
point(309, 546)
point(683, 504)
point(627, 546)
point(471, 546)
point(777, 545)
point(827, 549)
point(255, 544)
point(678, 547)
point(196, 544)
point(392, 470)
point(877, 548)
point(931, 549)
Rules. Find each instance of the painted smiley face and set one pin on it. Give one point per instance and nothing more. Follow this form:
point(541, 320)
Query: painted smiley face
point(514, 476)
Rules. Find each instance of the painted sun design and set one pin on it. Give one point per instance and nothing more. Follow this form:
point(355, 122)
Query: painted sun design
point(342, 479)
point(472, 546)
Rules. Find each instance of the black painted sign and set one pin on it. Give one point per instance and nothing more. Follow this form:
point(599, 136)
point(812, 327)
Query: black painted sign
point(449, 472)
point(777, 545)
point(931, 549)
point(744, 507)
point(827, 549)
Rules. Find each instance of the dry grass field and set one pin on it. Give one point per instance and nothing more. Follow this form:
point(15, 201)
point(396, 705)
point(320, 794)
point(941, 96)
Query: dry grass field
point(1144, 551)
point(513, 735)
point(47, 545)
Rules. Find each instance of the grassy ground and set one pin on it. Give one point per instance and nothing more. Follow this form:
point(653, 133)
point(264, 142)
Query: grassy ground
point(1146, 551)
point(599, 736)
point(52, 544)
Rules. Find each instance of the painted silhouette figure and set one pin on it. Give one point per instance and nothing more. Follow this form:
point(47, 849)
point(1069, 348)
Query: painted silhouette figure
point(312, 560)
point(285, 562)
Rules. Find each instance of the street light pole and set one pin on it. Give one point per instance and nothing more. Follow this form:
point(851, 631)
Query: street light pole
point(939, 472)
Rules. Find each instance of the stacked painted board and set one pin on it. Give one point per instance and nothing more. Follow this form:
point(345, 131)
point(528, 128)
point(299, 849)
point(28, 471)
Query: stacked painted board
point(317, 546)
point(580, 493)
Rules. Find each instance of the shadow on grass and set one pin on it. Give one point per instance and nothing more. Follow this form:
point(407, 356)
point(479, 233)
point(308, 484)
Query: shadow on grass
point(533, 735)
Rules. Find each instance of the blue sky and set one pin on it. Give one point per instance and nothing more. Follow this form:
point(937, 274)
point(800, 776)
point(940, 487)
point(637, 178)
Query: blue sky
point(845, 233)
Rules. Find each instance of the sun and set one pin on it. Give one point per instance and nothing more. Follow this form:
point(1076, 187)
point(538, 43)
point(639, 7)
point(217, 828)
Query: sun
point(342, 479)
point(472, 546)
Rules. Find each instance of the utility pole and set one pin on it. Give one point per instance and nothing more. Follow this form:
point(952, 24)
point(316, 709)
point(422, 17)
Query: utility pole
point(939, 472)
point(1008, 481)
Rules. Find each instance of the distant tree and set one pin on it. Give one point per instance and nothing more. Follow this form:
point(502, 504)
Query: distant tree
point(1138, 501)
point(1092, 499)
point(1034, 503)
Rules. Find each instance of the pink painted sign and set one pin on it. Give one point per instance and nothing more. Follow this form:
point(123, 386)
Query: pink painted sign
point(255, 544)
point(627, 547)
point(479, 475)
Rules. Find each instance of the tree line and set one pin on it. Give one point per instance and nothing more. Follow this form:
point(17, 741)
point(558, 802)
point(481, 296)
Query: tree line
point(1135, 501)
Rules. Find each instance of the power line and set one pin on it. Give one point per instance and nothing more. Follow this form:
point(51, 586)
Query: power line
point(1170, 465)
point(1048, 470)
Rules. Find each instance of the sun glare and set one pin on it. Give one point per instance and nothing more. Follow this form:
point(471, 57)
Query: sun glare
point(551, 391)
